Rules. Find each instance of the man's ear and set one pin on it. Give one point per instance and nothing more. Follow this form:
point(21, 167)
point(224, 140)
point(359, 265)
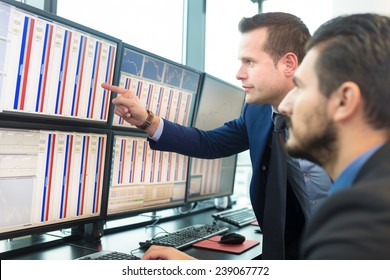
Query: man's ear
point(346, 101)
point(290, 60)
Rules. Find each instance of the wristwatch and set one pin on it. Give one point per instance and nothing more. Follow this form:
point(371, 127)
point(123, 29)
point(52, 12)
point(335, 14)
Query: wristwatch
point(148, 121)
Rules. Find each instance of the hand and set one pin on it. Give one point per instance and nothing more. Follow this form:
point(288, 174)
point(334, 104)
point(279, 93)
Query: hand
point(127, 105)
point(165, 253)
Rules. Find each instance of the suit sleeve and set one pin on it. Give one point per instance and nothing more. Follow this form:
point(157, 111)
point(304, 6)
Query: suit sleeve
point(229, 139)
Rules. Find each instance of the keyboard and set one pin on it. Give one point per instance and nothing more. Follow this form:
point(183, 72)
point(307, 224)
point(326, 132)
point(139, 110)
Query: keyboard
point(238, 217)
point(109, 255)
point(185, 237)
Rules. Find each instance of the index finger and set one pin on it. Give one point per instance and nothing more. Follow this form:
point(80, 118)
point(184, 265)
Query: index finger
point(116, 89)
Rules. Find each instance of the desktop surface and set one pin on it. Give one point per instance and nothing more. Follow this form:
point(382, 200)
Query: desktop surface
point(126, 241)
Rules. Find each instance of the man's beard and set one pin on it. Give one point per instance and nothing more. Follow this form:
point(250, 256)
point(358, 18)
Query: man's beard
point(319, 148)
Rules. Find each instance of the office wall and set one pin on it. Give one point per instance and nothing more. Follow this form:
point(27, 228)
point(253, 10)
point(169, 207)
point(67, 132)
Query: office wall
point(341, 7)
point(36, 3)
point(312, 13)
point(222, 36)
point(155, 26)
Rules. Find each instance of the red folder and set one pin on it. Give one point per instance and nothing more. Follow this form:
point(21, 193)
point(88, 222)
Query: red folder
point(212, 243)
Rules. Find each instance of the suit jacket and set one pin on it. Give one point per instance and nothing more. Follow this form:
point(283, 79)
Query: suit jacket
point(250, 131)
point(354, 223)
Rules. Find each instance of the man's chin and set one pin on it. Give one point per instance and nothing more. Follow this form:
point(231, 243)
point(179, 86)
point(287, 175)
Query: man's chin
point(297, 151)
point(248, 99)
point(293, 150)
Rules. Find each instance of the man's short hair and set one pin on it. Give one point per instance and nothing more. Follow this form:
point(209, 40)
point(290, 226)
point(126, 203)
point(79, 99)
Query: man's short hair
point(286, 33)
point(357, 48)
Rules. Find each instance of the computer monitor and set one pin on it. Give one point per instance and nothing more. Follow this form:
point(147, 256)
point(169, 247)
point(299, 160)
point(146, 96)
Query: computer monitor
point(142, 179)
point(166, 88)
point(219, 102)
point(54, 120)
point(52, 68)
point(50, 179)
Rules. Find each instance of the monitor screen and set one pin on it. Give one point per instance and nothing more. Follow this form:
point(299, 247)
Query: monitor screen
point(166, 88)
point(53, 68)
point(142, 179)
point(49, 179)
point(219, 102)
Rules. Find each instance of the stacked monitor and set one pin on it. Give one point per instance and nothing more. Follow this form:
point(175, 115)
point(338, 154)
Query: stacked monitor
point(49, 179)
point(65, 159)
point(52, 68)
point(164, 87)
point(219, 102)
point(54, 119)
point(143, 179)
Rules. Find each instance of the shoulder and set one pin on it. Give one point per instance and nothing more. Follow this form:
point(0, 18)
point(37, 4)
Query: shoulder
point(257, 114)
point(349, 219)
point(378, 166)
point(257, 108)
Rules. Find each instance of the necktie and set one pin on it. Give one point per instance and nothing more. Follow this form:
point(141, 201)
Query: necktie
point(275, 197)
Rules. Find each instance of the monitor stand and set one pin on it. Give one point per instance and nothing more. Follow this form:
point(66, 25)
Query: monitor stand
point(154, 216)
point(94, 231)
point(222, 203)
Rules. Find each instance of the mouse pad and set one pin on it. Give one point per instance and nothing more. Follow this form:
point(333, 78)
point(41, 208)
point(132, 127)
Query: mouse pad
point(212, 243)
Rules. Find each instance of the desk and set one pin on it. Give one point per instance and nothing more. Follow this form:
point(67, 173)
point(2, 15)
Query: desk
point(127, 240)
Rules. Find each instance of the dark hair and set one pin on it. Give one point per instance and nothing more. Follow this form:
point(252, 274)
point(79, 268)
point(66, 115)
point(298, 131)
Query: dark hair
point(286, 33)
point(357, 48)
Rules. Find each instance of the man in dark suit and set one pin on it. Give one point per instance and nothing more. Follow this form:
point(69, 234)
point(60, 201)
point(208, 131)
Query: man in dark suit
point(270, 50)
point(340, 118)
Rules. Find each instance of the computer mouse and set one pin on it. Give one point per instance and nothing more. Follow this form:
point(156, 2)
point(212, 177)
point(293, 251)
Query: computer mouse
point(232, 238)
point(144, 245)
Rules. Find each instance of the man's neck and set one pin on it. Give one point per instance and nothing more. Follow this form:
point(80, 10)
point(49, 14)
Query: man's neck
point(352, 147)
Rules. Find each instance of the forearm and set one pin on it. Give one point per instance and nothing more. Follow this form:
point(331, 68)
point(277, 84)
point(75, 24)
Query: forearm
point(217, 143)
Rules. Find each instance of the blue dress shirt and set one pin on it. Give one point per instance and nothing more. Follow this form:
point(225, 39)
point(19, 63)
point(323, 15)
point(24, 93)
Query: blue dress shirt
point(317, 182)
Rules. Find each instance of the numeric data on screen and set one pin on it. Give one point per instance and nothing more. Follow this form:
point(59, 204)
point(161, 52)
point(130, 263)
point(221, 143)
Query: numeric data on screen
point(48, 177)
point(168, 90)
point(51, 69)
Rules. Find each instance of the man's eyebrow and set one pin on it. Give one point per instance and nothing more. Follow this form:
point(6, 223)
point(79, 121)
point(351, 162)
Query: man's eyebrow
point(244, 58)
